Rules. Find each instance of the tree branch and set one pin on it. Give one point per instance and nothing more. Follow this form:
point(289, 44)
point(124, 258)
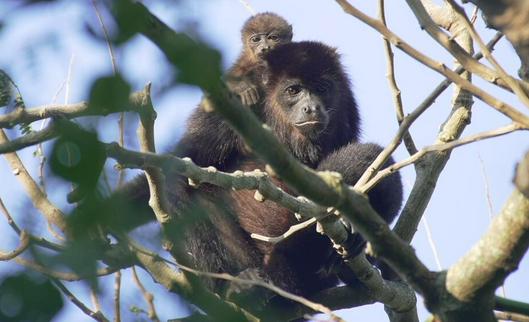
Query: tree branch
point(497, 253)
point(69, 111)
point(98, 316)
point(38, 198)
point(497, 104)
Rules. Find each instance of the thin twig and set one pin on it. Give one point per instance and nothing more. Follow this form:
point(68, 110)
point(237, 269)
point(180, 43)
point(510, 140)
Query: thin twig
point(107, 38)
point(24, 244)
point(431, 241)
point(117, 296)
point(474, 15)
point(412, 117)
point(515, 86)
point(248, 7)
point(438, 148)
point(286, 234)
point(149, 298)
point(66, 276)
point(98, 316)
point(95, 300)
point(397, 98)
point(398, 42)
point(487, 188)
point(312, 305)
point(121, 122)
point(10, 220)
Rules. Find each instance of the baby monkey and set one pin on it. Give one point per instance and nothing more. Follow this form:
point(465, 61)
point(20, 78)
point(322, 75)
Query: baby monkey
point(260, 34)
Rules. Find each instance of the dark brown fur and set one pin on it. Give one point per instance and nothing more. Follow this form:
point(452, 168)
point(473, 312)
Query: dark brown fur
point(306, 82)
point(289, 264)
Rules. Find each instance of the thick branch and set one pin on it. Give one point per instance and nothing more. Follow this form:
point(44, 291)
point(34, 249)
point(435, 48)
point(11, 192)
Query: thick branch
point(497, 253)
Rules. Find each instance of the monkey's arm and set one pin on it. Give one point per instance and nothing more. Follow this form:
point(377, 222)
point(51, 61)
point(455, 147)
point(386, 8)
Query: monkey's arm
point(386, 197)
point(209, 141)
point(351, 161)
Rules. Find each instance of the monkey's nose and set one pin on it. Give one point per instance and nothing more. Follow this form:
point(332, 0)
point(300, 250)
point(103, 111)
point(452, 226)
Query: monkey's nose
point(309, 109)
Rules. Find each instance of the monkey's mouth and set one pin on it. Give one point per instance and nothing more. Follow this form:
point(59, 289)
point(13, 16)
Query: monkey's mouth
point(307, 123)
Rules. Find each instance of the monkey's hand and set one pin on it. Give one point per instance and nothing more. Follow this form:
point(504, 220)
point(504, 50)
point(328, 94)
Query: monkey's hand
point(248, 93)
point(249, 295)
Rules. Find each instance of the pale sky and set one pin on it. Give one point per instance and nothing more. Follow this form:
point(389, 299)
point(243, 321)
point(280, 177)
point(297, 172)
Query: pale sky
point(38, 46)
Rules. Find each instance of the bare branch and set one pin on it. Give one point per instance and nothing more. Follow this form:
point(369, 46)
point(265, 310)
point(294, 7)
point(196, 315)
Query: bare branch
point(515, 86)
point(69, 111)
point(513, 317)
point(98, 316)
point(293, 229)
point(149, 298)
point(10, 220)
point(439, 148)
point(65, 276)
point(511, 18)
point(471, 65)
point(497, 104)
point(39, 199)
point(497, 253)
point(178, 283)
point(117, 296)
point(397, 99)
point(24, 244)
point(7, 146)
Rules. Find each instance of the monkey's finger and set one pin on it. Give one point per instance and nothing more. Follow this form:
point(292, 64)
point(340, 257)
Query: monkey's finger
point(245, 99)
point(254, 95)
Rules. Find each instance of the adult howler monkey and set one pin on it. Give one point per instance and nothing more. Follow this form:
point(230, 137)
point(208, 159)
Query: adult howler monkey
point(310, 107)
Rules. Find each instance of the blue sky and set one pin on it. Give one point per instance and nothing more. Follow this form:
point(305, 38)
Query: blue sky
point(37, 46)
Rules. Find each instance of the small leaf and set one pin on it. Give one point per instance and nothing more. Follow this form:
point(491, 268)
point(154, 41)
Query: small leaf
point(109, 93)
point(129, 18)
point(24, 298)
point(78, 156)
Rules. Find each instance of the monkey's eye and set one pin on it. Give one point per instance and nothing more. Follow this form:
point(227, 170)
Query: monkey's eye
point(293, 90)
point(273, 37)
point(255, 39)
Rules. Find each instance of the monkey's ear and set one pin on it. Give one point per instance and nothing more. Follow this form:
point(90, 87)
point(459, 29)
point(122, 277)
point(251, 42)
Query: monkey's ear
point(290, 33)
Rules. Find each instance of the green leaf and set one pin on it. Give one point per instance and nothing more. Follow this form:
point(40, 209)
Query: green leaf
point(129, 19)
point(78, 156)
point(24, 298)
point(109, 93)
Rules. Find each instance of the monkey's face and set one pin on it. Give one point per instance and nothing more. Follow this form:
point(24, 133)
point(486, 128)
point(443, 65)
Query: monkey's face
point(306, 105)
point(260, 43)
